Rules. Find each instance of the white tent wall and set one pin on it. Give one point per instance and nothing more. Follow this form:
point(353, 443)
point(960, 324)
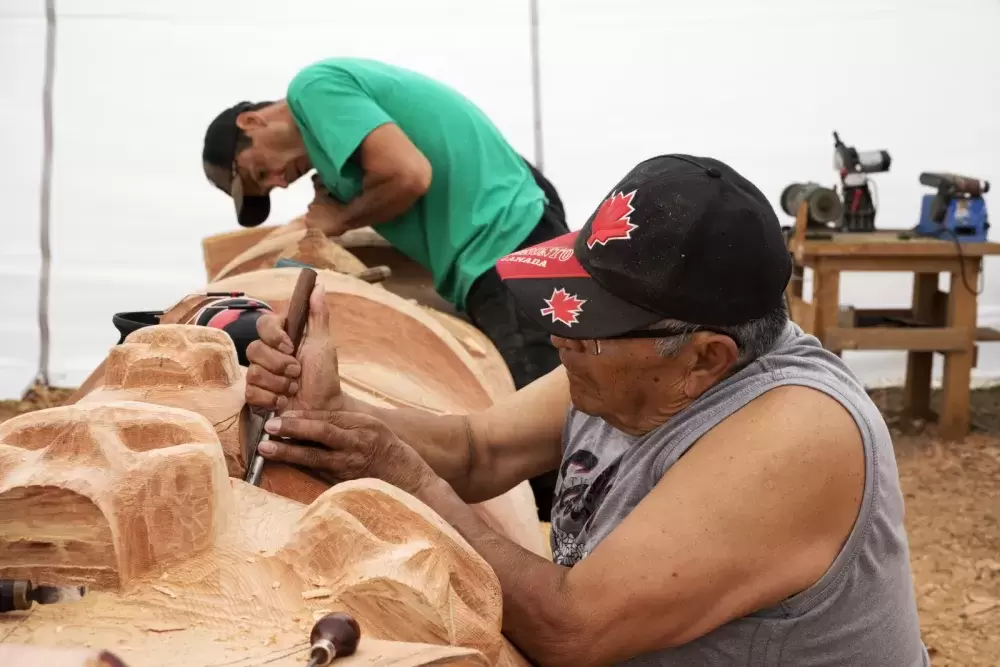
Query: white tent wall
point(22, 58)
point(761, 85)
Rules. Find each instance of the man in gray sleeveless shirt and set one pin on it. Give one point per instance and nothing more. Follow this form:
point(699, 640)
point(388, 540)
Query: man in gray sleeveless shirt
point(727, 494)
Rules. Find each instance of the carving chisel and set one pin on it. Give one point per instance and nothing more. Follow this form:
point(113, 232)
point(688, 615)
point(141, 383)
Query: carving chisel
point(295, 324)
point(20, 594)
point(333, 636)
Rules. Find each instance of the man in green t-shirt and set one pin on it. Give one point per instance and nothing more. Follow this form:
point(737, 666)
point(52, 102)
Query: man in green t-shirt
point(418, 162)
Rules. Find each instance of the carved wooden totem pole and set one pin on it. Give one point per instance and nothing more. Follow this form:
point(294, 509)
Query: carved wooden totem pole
point(135, 490)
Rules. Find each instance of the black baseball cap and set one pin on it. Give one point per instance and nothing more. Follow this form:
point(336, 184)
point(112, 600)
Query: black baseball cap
point(679, 237)
point(219, 160)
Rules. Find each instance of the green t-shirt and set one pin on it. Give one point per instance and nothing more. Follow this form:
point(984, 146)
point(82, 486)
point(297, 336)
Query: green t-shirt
point(482, 202)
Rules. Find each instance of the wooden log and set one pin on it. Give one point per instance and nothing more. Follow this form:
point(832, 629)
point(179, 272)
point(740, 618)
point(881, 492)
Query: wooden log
point(136, 490)
point(293, 241)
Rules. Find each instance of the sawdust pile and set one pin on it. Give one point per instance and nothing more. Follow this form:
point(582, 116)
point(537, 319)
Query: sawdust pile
point(953, 523)
point(37, 398)
point(953, 520)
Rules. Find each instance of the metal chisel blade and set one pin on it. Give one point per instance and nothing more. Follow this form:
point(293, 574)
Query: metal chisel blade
point(255, 463)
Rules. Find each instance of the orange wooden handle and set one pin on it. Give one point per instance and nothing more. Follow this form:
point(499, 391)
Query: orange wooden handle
point(298, 307)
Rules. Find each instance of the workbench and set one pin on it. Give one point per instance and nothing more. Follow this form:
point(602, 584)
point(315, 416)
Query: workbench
point(943, 322)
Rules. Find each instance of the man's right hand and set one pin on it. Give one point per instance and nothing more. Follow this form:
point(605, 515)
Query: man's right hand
point(310, 380)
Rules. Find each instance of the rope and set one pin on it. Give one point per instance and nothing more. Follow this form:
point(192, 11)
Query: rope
point(42, 378)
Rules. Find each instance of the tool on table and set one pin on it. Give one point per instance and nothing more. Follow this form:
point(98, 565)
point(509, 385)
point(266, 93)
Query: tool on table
point(854, 167)
point(956, 210)
point(295, 324)
point(333, 636)
point(20, 594)
point(374, 274)
point(823, 204)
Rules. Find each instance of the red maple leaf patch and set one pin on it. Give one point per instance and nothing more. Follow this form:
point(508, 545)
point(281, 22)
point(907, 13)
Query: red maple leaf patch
point(612, 220)
point(563, 307)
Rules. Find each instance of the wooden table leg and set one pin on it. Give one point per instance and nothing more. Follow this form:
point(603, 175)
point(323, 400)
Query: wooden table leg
point(917, 390)
point(795, 281)
point(826, 300)
point(954, 421)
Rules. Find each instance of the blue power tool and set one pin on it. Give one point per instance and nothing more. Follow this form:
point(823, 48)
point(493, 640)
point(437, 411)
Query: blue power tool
point(957, 211)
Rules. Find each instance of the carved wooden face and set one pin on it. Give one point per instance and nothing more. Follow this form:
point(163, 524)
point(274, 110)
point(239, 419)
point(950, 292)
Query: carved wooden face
point(133, 500)
point(111, 489)
point(183, 366)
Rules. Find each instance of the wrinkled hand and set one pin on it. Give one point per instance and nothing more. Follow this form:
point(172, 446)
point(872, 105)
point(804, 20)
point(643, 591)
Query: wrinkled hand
point(345, 446)
point(278, 381)
point(324, 212)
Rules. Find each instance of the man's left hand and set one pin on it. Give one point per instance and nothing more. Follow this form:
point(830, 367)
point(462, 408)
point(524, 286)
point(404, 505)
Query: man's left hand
point(325, 213)
point(346, 445)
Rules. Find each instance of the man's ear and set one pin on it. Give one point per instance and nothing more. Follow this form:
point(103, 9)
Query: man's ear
point(712, 357)
point(716, 353)
point(250, 120)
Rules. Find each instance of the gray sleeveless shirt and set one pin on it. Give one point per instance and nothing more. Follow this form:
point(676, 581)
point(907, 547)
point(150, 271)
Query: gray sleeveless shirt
point(861, 612)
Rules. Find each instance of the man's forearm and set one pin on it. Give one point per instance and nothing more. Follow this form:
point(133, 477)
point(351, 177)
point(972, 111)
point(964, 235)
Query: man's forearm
point(537, 613)
point(443, 441)
point(381, 201)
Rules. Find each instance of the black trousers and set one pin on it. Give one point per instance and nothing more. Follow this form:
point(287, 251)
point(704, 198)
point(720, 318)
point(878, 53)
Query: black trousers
point(524, 346)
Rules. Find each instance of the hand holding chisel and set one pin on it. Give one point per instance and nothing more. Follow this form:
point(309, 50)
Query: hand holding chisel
point(295, 324)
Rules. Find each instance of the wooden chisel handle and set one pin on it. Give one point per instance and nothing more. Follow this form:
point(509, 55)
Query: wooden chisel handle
point(298, 307)
point(375, 274)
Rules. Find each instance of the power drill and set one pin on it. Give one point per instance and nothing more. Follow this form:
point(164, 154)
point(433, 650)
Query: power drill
point(957, 208)
point(854, 165)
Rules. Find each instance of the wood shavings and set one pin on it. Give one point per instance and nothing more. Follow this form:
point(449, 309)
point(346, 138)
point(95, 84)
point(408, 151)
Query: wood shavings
point(987, 567)
point(979, 604)
point(163, 627)
point(953, 528)
point(163, 589)
point(316, 593)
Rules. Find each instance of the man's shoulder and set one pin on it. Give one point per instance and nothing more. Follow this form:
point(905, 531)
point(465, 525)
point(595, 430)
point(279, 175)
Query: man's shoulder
point(320, 70)
point(333, 71)
point(793, 425)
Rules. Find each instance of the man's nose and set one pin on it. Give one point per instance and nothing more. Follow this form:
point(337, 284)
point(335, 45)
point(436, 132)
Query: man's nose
point(276, 181)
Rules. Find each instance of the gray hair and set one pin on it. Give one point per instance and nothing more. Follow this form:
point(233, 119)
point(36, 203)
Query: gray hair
point(753, 339)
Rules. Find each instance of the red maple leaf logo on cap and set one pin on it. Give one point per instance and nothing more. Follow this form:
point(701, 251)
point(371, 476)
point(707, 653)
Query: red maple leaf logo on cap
point(612, 220)
point(563, 307)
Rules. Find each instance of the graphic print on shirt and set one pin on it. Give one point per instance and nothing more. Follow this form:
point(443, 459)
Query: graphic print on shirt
point(583, 485)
